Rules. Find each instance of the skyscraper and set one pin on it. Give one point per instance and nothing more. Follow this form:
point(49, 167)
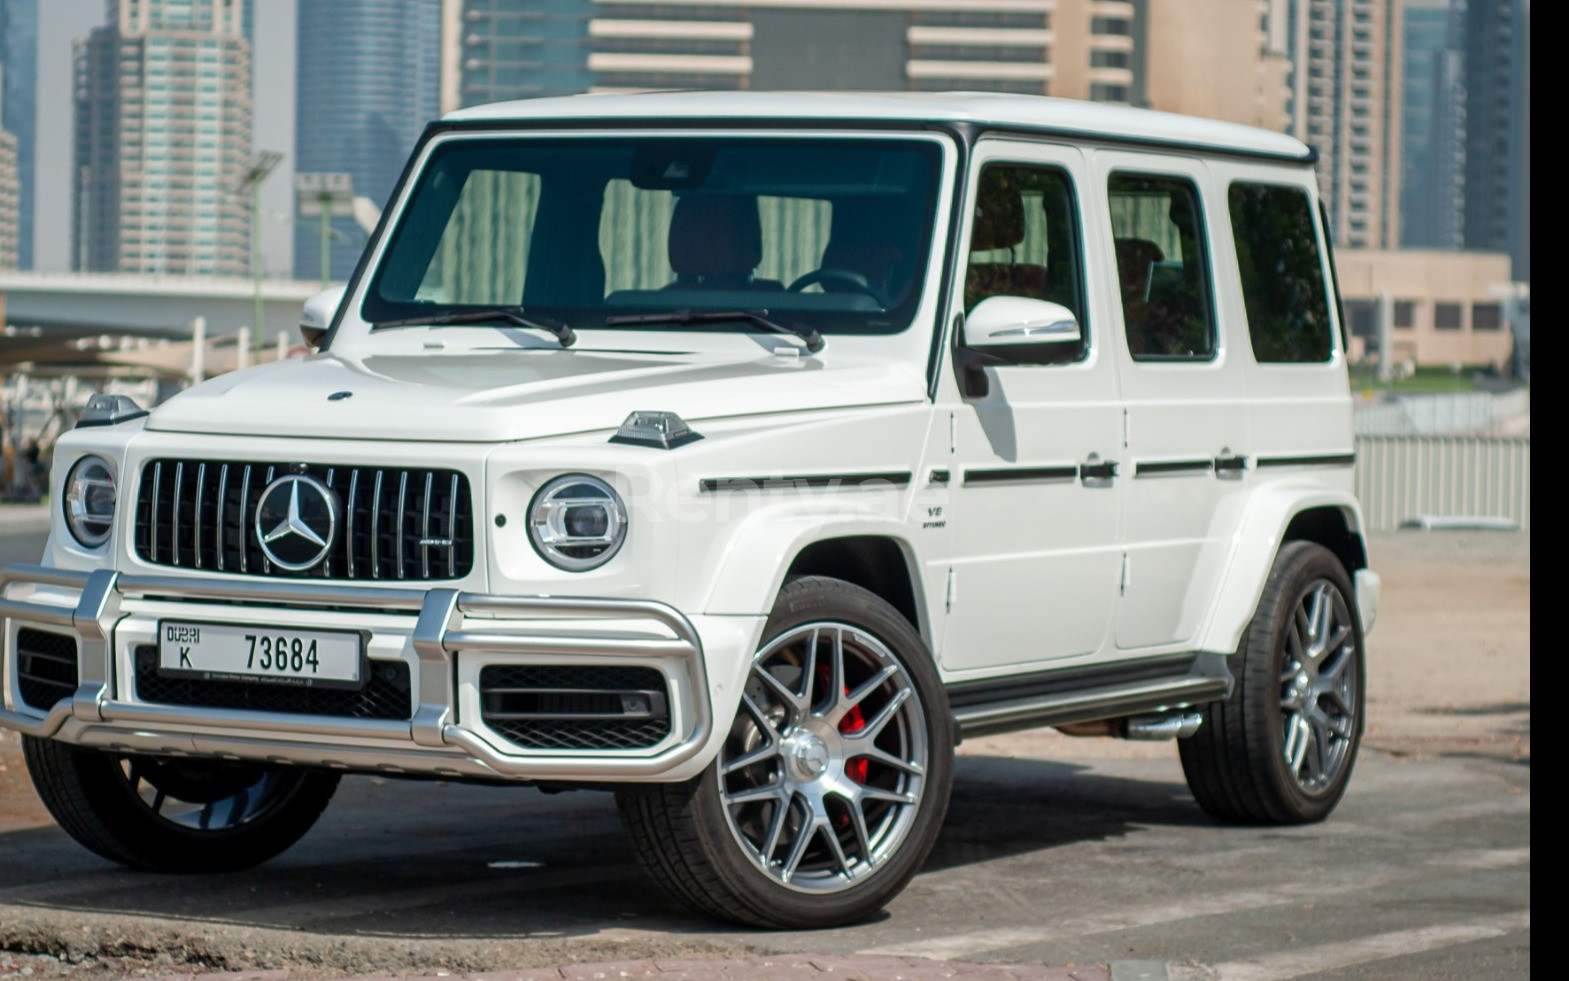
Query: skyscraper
point(1432, 121)
point(1498, 129)
point(1345, 103)
point(163, 140)
point(19, 108)
point(369, 77)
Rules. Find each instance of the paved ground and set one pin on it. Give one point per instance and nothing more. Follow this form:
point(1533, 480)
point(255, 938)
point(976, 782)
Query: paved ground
point(1085, 856)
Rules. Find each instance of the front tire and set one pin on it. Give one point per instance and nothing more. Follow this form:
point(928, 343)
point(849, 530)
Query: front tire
point(162, 814)
point(832, 785)
point(1280, 749)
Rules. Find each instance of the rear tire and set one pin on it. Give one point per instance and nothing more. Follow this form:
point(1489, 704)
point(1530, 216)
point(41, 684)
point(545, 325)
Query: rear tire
point(1280, 749)
point(163, 814)
point(832, 785)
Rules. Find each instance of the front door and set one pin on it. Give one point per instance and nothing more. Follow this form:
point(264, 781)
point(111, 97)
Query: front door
point(1033, 508)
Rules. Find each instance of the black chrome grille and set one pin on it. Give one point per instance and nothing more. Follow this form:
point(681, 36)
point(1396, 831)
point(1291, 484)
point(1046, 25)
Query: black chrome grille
point(396, 524)
point(575, 707)
point(46, 667)
point(385, 695)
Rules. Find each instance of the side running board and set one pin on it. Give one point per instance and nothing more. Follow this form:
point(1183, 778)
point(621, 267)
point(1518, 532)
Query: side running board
point(1054, 698)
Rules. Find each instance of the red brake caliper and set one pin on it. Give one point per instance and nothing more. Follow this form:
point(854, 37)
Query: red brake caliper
point(853, 721)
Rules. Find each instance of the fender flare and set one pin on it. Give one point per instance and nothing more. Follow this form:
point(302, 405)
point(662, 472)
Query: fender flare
point(742, 585)
point(1253, 548)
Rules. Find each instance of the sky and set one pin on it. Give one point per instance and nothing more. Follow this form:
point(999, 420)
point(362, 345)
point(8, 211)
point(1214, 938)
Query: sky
point(60, 23)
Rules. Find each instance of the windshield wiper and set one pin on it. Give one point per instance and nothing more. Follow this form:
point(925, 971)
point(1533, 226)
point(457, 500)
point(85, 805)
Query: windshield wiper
point(757, 318)
point(487, 315)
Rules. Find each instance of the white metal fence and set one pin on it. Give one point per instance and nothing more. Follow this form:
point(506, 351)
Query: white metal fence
point(1402, 477)
point(1442, 413)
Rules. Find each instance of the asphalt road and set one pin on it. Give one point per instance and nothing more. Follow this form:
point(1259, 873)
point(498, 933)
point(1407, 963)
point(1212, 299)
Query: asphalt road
point(1056, 851)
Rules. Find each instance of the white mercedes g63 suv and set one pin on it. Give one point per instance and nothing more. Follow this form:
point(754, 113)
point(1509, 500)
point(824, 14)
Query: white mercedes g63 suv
point(739, 453)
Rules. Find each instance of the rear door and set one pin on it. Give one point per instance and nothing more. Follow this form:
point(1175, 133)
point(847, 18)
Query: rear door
point(1185, 429)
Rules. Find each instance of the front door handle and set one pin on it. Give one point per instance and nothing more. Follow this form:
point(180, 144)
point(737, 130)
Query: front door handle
point(1096, 472)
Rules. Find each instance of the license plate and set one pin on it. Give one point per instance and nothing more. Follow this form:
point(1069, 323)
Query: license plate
point(231, 652)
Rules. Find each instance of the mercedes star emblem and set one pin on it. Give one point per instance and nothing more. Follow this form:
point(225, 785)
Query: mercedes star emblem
point(296, 522)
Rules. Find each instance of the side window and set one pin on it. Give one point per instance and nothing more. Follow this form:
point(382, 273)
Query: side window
point(1025, 242)
point(1283, 274)
point(1159, 238)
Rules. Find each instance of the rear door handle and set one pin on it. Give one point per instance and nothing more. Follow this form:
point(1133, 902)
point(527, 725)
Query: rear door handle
point(1096, 472)
point(1230, 466)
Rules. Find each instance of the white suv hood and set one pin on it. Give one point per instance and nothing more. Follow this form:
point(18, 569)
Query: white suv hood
point(519, 393)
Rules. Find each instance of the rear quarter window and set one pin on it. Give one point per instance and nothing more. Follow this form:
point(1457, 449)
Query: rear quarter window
point(1282, 271)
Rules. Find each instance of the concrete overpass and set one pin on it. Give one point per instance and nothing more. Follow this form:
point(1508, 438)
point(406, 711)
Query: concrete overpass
point(128, 303)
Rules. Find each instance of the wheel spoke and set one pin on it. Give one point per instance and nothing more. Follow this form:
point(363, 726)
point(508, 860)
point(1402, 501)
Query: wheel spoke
point(856, 697)
point(837, 847)
point(1319, 759)
point(804, 836)
point(795, 705)
point(158, 799)
point(776, 828)
point(888, 759)
point(768, 791)
point(836, 682)
point(767, 751)
point(1296, 742)
point(878, 793)
point(863, 837)
point(876, 723)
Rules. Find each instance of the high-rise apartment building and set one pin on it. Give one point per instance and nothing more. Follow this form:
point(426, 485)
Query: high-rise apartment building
point(1432, 123)
point(19, 109)
point(1498, 129)
point(1085, 49)
point(163, 140)
point(369, 76)
point(1345, 103)
point(10, 194)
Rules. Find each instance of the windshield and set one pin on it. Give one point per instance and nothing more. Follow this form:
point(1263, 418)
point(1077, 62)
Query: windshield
point(829, 235)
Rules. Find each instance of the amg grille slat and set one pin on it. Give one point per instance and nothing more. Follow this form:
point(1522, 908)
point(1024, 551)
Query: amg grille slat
point(452, 528)
point(403, 516)
point(223, 513)
point(209, 521)
point(201, 482)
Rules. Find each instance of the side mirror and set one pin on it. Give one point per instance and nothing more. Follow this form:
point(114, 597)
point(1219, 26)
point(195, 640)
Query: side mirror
point(318, 313)
point(998, 321)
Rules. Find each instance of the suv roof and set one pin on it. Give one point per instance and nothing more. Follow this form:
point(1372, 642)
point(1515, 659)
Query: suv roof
point(1093, 120)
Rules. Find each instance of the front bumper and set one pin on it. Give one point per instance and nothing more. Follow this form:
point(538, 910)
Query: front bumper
point(444, 636)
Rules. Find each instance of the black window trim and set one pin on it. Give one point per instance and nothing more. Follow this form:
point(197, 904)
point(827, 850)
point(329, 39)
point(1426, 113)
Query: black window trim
point(1206, 251)
point(962, 270)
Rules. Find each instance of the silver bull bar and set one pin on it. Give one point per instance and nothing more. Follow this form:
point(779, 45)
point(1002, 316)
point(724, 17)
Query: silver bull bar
point(436, 636)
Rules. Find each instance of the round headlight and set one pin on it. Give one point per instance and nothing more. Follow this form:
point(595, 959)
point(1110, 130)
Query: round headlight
point(89, 500)
point(577, 522)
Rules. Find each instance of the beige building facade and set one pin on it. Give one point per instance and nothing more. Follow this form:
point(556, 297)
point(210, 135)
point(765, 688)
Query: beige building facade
point(1214, 58)
point(163, 140)
point(10, 202)
point(1446, 308)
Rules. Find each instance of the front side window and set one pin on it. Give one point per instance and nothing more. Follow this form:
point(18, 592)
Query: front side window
point(828, 234)
point(1024, 241)
point(1282, 270)
point(1165, 280)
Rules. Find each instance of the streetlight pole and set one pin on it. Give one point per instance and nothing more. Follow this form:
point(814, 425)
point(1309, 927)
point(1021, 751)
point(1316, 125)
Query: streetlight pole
point(252, 181)
point(324, 196)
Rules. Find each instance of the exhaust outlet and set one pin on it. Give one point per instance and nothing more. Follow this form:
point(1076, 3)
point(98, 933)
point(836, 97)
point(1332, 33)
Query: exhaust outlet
point(1171, 725)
